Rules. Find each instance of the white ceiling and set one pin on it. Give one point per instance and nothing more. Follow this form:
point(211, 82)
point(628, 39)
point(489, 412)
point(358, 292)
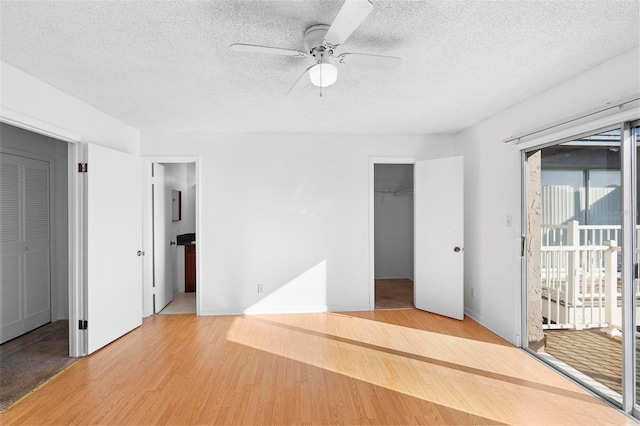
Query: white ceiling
point(167, 66)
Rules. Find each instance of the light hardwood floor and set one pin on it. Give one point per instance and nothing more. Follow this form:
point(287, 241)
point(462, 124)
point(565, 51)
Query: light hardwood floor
point(379, 367)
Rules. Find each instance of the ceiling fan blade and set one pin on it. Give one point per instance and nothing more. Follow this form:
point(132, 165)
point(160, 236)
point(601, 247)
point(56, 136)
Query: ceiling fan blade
point(252, 48)
point(376, 62)
point(300, 78)
point(349, 18)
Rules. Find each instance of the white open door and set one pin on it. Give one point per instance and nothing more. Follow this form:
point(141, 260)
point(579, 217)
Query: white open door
point(163, 256)
point(439, 221)
point(114, 237)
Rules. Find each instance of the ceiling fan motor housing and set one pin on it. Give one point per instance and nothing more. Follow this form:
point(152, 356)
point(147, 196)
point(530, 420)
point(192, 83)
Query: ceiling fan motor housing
point(320, 40)
point(314, 39)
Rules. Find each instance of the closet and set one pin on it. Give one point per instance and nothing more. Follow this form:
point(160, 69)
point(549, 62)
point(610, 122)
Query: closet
point(25, 293)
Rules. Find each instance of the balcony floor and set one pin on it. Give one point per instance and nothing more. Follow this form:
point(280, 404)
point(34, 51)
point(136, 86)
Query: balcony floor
point(593, 353)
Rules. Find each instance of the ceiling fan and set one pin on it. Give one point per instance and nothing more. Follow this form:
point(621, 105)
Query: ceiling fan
point(320, 42)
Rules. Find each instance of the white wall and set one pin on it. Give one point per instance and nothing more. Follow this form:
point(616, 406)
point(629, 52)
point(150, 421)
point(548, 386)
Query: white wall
point(393, 235)
point(287, 211)
point(189, 200)
point(27, 99)
point(21, 142)
point(493, 182)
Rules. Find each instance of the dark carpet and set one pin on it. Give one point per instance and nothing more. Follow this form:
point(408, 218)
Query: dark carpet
point(32, 359)
point(394, 293)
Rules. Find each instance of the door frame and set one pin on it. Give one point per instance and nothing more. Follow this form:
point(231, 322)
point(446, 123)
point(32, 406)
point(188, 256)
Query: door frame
point(372, 251)
point(76, 218)
point(147, 232)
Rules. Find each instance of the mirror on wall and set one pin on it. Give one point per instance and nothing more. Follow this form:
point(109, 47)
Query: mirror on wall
point(176, 205)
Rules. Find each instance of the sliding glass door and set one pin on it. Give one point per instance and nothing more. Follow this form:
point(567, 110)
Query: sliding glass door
point(634, 135)
point(580, 250)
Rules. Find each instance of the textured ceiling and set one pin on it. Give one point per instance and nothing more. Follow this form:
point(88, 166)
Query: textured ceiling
point(167, 65)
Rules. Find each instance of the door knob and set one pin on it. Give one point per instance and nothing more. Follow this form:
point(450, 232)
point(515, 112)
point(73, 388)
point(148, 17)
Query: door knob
point(172, 243)
point(457, 249)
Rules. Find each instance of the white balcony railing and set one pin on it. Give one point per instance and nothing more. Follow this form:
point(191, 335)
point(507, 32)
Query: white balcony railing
point(581, 285)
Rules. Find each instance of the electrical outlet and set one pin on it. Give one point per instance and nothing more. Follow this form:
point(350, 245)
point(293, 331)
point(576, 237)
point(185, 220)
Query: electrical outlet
point(473, 292)
point(260, 288)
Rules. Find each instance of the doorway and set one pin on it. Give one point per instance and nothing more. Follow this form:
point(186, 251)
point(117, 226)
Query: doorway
point(581, 258)
point(34, 258)
point(34, 231)
point(393, 241)
point(92, 286)
point(438, 234)
point(173, 238)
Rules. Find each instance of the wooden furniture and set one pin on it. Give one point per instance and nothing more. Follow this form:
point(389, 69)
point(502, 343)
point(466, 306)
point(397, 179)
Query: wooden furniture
point(189, 268)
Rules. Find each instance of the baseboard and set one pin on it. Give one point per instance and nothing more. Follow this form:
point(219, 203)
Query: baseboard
point(216, 312)
point(348, 308)
point(509, 336)
point(394, 278)
point(305, 309)
point(286, 310)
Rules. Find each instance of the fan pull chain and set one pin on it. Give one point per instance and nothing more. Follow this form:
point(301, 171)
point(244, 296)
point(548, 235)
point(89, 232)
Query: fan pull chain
point(321, 56)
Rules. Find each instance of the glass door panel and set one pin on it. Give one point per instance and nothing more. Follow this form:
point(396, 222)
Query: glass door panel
point(635, 140)
point(573, 257)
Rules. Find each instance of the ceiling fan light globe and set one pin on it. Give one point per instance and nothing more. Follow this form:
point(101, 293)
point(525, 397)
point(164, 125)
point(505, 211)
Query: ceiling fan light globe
point(323, 75)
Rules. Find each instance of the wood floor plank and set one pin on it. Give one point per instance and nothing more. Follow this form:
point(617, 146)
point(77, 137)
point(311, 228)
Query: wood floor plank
point(378, 367)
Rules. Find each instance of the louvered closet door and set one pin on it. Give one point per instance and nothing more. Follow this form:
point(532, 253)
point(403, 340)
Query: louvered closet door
point(25, 290)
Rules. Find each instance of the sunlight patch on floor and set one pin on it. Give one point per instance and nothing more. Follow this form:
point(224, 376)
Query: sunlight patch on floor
point(447, 370)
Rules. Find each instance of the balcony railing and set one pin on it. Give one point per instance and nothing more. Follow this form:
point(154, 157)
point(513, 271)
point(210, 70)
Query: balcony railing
point(581, 285)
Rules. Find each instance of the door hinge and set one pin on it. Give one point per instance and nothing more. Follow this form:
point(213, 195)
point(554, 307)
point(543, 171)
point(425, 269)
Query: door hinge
point(82, 167)
point(82, 325)
point(523, 239)
point(636, 271)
